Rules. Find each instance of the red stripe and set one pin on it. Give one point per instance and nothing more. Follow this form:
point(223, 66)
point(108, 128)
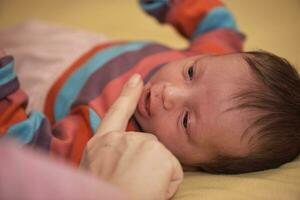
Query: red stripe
point(71, 135)
point(187, 14)
point(51, 96)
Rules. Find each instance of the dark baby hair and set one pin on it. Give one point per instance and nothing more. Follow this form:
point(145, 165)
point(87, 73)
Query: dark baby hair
point(277, 128)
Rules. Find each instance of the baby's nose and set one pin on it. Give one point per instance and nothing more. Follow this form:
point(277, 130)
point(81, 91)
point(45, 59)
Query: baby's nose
point(173, 96)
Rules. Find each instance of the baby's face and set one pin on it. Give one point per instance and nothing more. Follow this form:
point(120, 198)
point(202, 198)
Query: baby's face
point(185, 104)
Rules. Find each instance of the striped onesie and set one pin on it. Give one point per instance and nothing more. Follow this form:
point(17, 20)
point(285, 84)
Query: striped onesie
point(80, 97)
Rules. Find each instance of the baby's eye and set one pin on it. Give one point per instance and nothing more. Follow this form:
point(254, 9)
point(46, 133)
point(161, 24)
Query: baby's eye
point(185, 120)
point(191, 72)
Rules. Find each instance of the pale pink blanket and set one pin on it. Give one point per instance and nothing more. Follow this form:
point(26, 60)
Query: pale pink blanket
point(28, 175)
point(42, 52)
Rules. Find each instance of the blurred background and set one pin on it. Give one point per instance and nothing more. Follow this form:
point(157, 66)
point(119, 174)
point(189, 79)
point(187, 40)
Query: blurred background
point(272, 25)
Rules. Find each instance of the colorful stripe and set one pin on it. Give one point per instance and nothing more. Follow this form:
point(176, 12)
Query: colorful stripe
point(71, 134)
point(94, 120)
point(219, 41)
point(7, 73)
point(74, 84)
point(25, 130)
point(9, 87)
point(112, 70)
point(54, 90)
point(43, 135)
point(8, 80)
point(156, 8)
point(186, 15)
point(152, 72)
point(152, 5)
point(219, 17)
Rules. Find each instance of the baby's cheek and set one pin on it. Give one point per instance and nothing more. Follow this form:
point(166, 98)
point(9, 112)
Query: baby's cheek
point(162, 128)
point(2, 53)
point(163, 133)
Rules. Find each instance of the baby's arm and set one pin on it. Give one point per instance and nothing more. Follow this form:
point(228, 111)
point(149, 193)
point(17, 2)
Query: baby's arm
point(67, 138)
point(208, 24)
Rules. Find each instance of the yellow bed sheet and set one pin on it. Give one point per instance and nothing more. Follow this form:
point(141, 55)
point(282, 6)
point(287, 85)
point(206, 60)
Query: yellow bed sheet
point(269, 25)
point(276, 184)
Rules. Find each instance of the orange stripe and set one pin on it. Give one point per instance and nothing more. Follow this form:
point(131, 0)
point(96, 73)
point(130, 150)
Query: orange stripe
point(72, 136)
point(130, 127)
point(15, 111)
point(218, 42)
point(186, 15)
point(82, 137)
point(51, 96)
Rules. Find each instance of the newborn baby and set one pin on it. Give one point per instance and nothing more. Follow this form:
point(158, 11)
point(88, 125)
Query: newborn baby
point(214, 107)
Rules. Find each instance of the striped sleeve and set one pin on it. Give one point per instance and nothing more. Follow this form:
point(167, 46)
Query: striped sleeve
point(66, 138)
point(208, 24)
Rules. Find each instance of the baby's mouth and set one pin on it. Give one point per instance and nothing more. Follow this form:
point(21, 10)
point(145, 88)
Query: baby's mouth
point(147, 102)
point(144, 104)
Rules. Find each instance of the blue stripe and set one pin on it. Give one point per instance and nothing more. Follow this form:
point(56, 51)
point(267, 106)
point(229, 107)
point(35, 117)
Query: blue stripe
point(7, 73)
point(74, 84)
point(25, 130)
point(94, 120)
point(153, 5)
point(219, 17)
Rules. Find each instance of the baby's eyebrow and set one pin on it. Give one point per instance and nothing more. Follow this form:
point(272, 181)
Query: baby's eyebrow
point(197, 62)
point(200, 67)
point(200, 60)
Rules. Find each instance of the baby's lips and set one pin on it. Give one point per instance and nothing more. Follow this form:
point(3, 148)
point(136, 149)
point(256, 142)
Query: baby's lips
point(141, 107)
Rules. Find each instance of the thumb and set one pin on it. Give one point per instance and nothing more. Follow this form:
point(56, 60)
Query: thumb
point(119, 113)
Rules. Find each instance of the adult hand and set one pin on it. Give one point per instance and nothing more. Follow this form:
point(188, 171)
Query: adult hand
point(136, 162)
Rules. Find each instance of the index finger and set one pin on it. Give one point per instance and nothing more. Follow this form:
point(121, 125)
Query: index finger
point(116, 119)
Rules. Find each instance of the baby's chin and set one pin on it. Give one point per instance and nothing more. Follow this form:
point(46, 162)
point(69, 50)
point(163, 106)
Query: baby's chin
point(138, 124)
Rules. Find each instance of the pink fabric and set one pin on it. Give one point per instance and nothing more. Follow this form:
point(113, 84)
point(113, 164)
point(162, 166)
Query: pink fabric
point(28, 175)
point(42, 52)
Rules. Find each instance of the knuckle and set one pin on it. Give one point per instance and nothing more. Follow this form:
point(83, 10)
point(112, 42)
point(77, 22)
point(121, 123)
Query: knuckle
point(154, 145)
point(151, 136)
point(168, 164)
point(89, 144)
point(114, 108)
point(111, 136)
point(146, 136)
point(158, 148)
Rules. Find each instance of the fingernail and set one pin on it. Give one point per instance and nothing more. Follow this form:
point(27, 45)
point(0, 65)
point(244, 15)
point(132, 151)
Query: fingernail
point(134, 80)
